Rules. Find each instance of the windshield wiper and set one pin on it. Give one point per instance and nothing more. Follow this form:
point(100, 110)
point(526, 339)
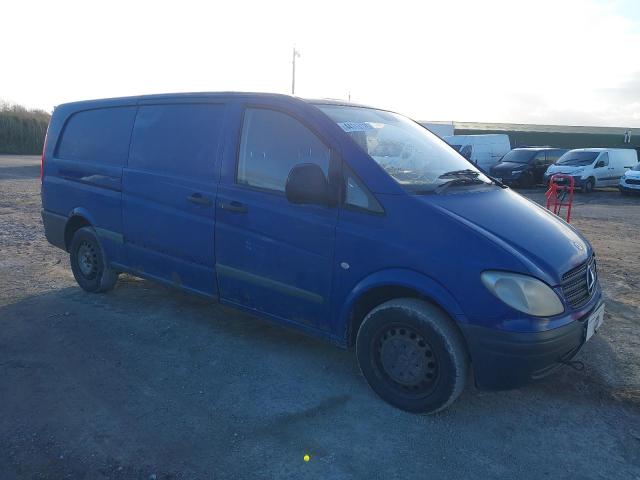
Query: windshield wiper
point(460, 173)
point(468, 174)
point(497, 182)
point(458, 181)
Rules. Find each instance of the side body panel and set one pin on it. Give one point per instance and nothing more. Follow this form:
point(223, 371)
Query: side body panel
point(169, 189)
point(273, 257)
point(77, 183)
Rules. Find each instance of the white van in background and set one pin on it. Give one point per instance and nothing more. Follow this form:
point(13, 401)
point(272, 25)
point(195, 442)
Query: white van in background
point(594, 167)
point(483, 150)
point(441, 129)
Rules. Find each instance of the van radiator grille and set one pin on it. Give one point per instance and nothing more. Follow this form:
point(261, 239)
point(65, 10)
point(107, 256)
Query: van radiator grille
point(574, 284)
point(633, 181)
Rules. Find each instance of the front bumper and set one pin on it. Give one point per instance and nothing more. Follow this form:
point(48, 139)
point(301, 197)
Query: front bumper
point(508, 177)
point(511, 179)
point(623, 187)
point(578, 182)
point(503, 359)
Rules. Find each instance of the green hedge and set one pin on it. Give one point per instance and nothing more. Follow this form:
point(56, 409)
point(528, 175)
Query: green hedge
point(22, 130)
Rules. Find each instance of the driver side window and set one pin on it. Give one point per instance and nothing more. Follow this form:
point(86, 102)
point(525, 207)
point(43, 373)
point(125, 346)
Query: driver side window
point(467, 151)
point(272, 143)
point(539, 159)
point(603, 160)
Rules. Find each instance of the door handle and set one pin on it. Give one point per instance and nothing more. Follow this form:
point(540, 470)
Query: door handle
point(233, 207)
point(199, 199)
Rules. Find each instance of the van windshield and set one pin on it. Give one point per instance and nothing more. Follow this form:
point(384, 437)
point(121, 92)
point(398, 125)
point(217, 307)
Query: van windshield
point(519, 156)
point(416, 158)
point(577, 158)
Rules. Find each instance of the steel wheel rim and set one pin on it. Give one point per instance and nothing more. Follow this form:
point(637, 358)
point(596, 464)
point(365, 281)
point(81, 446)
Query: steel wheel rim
point(87, 256)
point(406, 359)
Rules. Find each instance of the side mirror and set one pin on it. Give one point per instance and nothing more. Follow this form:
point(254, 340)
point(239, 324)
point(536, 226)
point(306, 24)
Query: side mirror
point(600, 164)
point(307, 184)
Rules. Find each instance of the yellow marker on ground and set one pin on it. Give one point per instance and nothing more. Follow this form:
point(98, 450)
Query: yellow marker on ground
point(306, 458)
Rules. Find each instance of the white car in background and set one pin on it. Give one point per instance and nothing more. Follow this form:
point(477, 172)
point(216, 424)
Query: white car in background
point(630, 181)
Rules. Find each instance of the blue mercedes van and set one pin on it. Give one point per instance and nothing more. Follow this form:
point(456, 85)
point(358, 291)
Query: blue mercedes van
point(350, 223)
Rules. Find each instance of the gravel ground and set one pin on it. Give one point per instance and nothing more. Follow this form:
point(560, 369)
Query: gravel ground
point(146, 382)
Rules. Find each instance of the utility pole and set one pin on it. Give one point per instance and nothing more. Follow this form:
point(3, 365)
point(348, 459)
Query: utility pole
point(293, 74)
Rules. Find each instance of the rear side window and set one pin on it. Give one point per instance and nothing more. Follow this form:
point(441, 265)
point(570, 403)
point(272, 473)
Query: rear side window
point(272, 144)
point(180, 140)
point(98, 136)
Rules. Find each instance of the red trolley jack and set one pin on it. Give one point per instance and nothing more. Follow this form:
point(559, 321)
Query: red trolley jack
point(560, 194)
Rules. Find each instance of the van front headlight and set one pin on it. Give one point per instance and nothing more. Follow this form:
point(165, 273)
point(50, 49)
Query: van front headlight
point(522, 292)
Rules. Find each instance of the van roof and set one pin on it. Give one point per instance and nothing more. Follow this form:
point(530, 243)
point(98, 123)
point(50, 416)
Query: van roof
point(336, 101)
point(536, 149)
point(599, 149)
point(188, 95)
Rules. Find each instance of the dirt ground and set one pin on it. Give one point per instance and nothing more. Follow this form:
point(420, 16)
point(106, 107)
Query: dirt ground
point(146, 382)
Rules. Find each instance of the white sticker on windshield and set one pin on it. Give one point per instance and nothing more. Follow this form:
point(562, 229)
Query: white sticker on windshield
point(355, 126)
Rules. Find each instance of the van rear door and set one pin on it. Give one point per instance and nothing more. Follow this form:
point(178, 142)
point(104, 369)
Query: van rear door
point(169, 189)
point(273, 256)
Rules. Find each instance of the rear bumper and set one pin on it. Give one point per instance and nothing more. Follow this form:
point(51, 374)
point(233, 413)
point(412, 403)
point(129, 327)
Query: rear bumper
point(54, 226)
point(503, 360)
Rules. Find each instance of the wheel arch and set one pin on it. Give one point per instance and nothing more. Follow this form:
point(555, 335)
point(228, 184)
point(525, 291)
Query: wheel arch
point(78, 218)
point(386, 285)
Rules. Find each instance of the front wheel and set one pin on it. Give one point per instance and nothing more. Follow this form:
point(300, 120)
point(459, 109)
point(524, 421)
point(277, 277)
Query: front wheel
point(588, 186)
point(412, 355)
point(527, 180)
point(89, 264)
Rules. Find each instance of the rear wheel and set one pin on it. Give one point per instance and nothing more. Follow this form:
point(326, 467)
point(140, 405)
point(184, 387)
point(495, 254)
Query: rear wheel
point(412, 355)
point(88, 262)
point(588, 186)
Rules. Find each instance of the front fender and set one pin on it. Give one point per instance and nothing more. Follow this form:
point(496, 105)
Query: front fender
point(400, 277)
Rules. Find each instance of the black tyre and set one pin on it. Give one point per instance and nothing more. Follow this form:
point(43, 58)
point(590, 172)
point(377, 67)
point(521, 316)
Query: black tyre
point(588, 186)
point(88, 262)
point(527, 180)
point(412, 355)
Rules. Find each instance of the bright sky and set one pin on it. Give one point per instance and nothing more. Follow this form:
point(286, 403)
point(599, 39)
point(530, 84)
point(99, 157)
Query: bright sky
point(525, 61)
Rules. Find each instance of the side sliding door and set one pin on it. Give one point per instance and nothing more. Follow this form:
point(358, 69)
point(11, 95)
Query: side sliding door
point(169, 190)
